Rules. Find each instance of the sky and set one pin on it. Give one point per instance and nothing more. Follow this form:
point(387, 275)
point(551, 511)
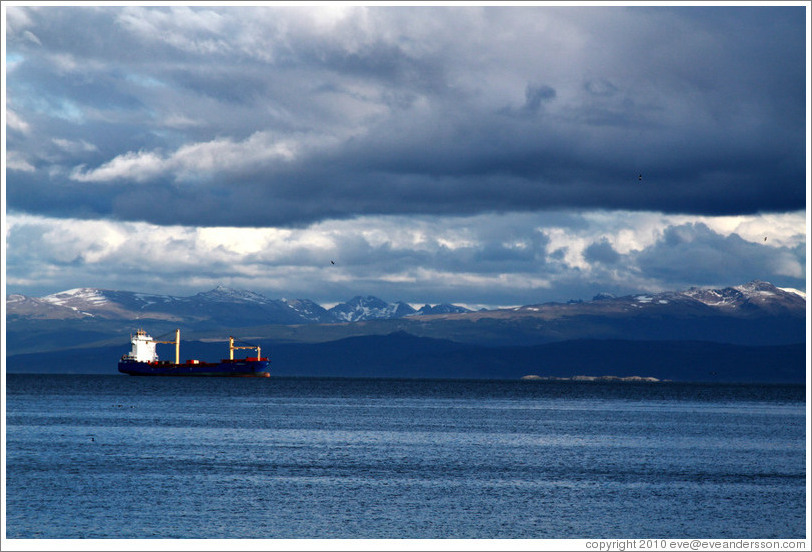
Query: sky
point(479, 155)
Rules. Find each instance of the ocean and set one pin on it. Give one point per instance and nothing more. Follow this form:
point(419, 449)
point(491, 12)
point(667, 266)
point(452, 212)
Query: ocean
point(122, 457)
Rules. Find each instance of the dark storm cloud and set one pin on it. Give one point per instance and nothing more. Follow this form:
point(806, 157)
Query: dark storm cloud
point(286, 116)
point(695, 253)
point(601, 252)
point(536, 95)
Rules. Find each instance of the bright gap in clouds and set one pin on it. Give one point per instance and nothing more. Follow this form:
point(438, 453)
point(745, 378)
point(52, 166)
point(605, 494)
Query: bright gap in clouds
point(484, 260)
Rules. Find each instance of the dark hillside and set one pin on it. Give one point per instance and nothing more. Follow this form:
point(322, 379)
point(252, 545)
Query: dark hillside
point(401, 355)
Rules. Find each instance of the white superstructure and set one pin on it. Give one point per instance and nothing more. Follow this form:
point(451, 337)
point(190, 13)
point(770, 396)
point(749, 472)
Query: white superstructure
point(143, 348)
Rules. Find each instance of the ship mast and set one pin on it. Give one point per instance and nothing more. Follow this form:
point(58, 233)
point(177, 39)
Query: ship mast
point(232, 347)
point(177, 345)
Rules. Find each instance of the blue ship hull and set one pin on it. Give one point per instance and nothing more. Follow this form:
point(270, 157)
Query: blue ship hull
point(245, 367)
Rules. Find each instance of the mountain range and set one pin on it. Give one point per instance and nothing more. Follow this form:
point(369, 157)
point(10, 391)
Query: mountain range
point(219, 306)
point(46, 331)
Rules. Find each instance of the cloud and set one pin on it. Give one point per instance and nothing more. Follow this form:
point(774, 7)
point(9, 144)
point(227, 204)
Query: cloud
point(693, 252)
point(31, 37)
point(482, 154)
point(600, 87)
point(16, 162)
point(601, 252)
point(484, 259)
point(74, 146)
point(536, 95)
point(192, 161)
point(14, 122)
point(132, 166)
point(272, 116)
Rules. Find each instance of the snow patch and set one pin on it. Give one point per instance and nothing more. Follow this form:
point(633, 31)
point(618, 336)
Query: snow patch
point(88, 295)
point(795, 291)
point(149, 299)
point(226, 294)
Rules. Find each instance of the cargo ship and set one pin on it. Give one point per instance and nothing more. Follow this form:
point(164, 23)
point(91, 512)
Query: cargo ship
point(143, 360)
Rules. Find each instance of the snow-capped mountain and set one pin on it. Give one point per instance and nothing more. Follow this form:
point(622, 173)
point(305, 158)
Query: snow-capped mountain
point(753, 298)
point(752, 314)
point(222, 304)
point(223, 294)
point(96, 299)
point(80, 296)
point(369, 308)
point(232, 306)
point(443, 308)
point(308, 310)
point(35, 308)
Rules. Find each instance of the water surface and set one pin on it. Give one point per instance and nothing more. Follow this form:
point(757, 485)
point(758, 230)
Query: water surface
point(126, 457)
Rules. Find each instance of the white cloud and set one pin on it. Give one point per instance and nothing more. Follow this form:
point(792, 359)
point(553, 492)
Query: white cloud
point(139, 167)
point(629, 231)
point(16, 162)
point(74, 146)
point(15, 122)
point(189, 30)
point(191, 161)
point(486, 259)
point(226, 155)
point(176, 120)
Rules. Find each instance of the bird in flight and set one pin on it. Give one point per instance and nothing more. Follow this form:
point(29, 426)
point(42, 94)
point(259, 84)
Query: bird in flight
point(640, 178)
point(332, 262)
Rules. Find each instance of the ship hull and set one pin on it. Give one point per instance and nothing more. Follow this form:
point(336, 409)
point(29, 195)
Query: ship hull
point(245, 368)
